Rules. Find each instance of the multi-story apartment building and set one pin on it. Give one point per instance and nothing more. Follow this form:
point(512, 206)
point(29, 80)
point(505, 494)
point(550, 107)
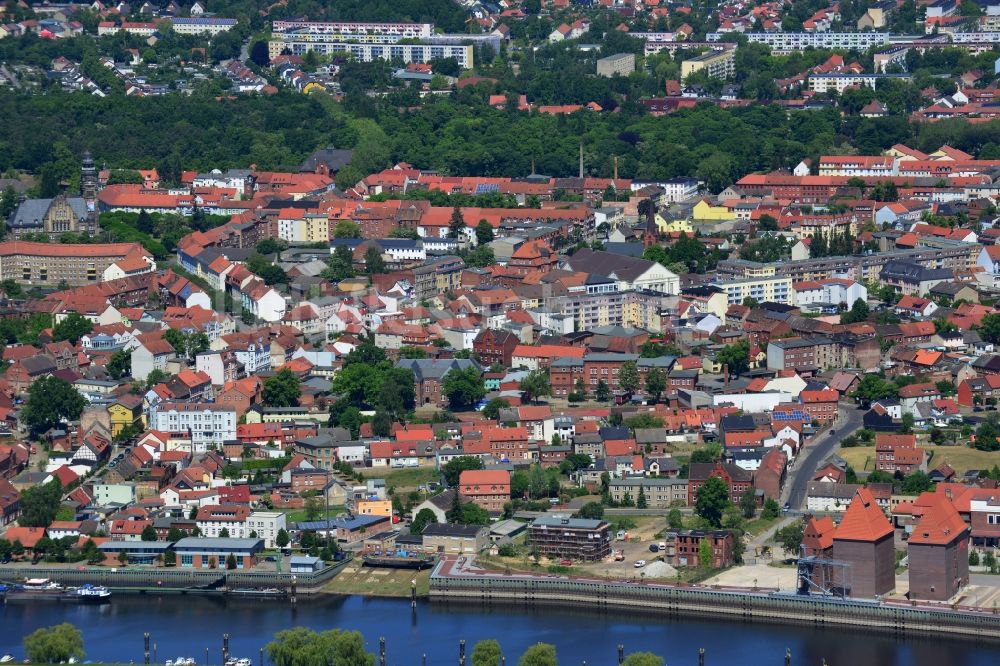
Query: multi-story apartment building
point(659, 493)
point(204, 423)
point(766, 289)
point(718, 64)
point(788, 42)
point(407, 53)
point(357, 30)
point(48, 264)
point(576, 538)
point(822, 83)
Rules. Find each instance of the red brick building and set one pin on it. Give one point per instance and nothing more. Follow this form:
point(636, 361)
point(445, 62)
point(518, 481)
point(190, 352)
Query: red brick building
point(938, 550)
point(738, 480)
point(898, 453)
point(770, 476)
point(495, 346)
point(684, 548)
point(864, 540)
point(489, 489)
point(821, 405)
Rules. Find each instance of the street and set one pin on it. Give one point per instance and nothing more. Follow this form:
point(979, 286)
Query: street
point(848, 420)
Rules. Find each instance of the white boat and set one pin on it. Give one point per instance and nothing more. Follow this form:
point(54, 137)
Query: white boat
point(6, 659)
point(239, 662)
point(41, 584)
point(93, 593)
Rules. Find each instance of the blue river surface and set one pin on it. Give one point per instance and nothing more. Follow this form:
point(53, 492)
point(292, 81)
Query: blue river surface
point(185, 626)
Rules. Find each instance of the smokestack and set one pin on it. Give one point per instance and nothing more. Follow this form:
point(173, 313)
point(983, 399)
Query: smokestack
point(581, 159)
point(616, 167)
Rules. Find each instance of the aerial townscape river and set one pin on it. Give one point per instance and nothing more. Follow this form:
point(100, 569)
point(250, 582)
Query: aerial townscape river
point(188, 626)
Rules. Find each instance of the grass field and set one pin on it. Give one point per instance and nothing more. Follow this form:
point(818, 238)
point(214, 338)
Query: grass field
point(356, 579)
point(862, 458)
point(299, 515)
point(404, 479)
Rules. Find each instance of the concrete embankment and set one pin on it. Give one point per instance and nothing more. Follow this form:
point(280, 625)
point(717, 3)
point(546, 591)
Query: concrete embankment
point(898, 619)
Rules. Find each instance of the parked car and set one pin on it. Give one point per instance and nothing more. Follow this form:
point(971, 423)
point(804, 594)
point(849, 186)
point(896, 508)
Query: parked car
point(566, 563)
point(787, 507)
point(653, 548)
point(639, 564)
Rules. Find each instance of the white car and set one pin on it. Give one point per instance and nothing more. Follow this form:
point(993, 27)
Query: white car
point(639, 564)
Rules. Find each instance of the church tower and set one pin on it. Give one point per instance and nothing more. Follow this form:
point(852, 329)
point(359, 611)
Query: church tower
point(88, 178)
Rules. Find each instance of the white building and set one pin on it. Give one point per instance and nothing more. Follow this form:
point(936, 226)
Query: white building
point(205, 423)
point(822, 83)
point(202, 26)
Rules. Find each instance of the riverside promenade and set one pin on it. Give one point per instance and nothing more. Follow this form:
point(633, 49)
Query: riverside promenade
point(459, 579)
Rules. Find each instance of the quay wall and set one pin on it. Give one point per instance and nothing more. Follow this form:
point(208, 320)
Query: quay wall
point(896, 618)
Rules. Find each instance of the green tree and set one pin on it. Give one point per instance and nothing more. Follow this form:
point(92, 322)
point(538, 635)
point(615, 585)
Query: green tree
point(628, 377)
point(643, 659)
point(540, 654)
point(169, 558)
point(473, 514)
point(640, 501)
point(602, 393)
point(535, 385)
point(736, 356)
point(282, 390)
point(231, 561)
point(711, 500)
point(304, 647)
point(51, 400)
point(987, 434)
point(771, 509)
point(989, 328)
point(675, 519)
point(592, 511)
point(656, 383)
point(119, 365)
point(454, 468)
point(484, 232)
point(374, 263)
point(148, 533)
point(748, 503)
point(313, 508)
point(873, 387)
point(347, 229)
point(72, 327)
point(423, 518)
point(40, 504)
point(340, 265)
point(281, 539)
point(464, 387)
point(858, 312)
point(486, 653)
point(456, 226)
point(705, 559)
point(916, 483)
point(492, 409)
point(54, 645)
point(790, 537)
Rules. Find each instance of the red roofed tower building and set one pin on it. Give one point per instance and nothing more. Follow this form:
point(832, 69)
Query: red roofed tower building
point(938, 550)
point(864, 541)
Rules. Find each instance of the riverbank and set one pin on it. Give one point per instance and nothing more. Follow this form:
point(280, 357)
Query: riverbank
point(356, 579)
point(453, 582)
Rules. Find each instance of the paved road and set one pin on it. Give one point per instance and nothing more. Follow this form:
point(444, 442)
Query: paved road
point(848, 420)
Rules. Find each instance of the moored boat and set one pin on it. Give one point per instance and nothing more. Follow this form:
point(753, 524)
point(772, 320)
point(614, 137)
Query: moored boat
point(93, 594)
point(400, 559)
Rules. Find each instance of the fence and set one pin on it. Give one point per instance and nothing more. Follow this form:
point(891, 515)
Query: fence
point(784, 608)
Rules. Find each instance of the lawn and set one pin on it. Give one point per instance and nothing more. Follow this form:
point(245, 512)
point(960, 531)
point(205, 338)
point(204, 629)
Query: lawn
point(299, 515)
point(960, 458)
point(404, 479)
point(372, 582)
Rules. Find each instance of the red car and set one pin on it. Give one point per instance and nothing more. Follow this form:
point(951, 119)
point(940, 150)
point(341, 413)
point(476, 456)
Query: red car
point(566, 563)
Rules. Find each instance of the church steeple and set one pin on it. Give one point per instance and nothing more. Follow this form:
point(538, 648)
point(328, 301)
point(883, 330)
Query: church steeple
point(88, 178)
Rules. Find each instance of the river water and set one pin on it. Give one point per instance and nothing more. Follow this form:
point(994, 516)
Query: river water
point(186, 626)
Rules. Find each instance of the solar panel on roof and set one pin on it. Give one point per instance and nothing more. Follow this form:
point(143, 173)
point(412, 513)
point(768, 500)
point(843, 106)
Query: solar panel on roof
point(483, 188)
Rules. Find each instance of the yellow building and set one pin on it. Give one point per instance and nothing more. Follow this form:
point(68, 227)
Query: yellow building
point(717, 64)
point(673, 226)
point(814, 227)
point(374, 507)
point(706, 211)
point(127, 412)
